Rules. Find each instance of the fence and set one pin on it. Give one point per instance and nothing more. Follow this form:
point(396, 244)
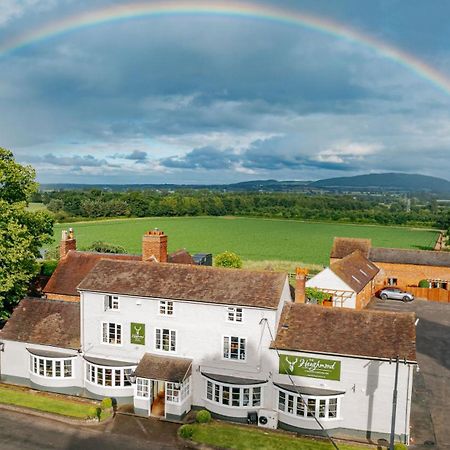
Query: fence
point(432, 294)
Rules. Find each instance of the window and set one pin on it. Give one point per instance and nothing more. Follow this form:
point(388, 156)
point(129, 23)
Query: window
point(108, 376)
point(142, 387)
point(165, 340)
point(166, 308)
point(233, 395)
point(178, 392)
point(111, 302)
point(112, 333)
point(51, 367)
point(392, 281)
point(234, 348)
point(307, 406)
point(234, 314)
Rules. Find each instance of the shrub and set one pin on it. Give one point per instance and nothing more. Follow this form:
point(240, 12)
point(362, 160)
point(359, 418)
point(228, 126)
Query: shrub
point(229, 260)
point(105, 247)
point(203, 416)
point(106, 403)
point(400, 446)
point(48, 267)
point(315, 295)
point(92, 412)
point(424, 284)
point(186, 431)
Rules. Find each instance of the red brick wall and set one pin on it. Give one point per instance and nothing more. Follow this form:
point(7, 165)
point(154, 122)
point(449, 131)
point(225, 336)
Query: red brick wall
point(154, 243)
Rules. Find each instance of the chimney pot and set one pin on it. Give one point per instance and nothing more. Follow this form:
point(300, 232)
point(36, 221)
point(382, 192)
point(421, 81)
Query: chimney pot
point(68, 242)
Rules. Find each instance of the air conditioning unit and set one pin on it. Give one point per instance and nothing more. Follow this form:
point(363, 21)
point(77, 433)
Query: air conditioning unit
point(267, 418)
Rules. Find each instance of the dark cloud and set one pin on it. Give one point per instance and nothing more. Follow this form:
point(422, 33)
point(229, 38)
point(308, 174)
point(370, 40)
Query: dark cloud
point(67, 161)
point(138, 156)
point(202, 158)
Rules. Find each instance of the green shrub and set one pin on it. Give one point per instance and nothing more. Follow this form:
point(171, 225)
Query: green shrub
point(424, 284)
point(229, 260)
point(203, 416)
point(400, 446)
point(48, 267)
point(104, 247)
point(186, 431)
point(92, 412)
point(106, 403)
point(315, 295)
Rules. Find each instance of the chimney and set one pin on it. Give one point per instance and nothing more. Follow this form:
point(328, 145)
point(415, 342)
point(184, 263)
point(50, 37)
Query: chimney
point(300, 285)
point(154, 246)
point(68, 242)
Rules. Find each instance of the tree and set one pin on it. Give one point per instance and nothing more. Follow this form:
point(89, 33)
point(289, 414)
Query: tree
point(22, 232)
point(229, 260)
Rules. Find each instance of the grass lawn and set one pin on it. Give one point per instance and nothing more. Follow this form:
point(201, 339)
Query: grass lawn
point(245, 438)
point(254, 239)
point(47, 402)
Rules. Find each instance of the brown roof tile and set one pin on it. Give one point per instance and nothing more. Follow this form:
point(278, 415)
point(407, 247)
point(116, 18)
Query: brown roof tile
point(74, 267)
point(45, 322)
point(415, 257)
point(181, 257)
point(165, 368)
point(344, 246)
point(186, 282)
point(343, 331)
point(355, 270)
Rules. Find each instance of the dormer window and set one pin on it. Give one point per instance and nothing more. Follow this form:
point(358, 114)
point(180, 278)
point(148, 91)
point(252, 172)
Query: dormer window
point(166, 308)
point(234, 314)
point(111, 302)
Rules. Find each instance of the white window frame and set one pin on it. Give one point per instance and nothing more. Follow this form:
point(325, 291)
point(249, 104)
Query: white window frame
point(159, 342)
point(142, 388)
point(92, 372)
point(166, 308)
point(116, 325)
point(235, 314)
point(292, 405)
point(215, 389)
point(240, 339)
point(35, 365)
point(111, 303)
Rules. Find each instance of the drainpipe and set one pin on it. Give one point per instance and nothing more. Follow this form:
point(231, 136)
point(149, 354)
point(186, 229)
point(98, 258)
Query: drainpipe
point(394, 406)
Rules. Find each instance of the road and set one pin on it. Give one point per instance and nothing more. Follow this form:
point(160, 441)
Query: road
point(23, 432)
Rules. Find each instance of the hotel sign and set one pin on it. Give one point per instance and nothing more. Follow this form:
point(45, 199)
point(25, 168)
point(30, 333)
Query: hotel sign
point(137, 333)
point(327, 369)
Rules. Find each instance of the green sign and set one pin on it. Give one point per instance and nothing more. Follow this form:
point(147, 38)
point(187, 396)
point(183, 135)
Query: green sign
point(301, 366)
point(137, 333)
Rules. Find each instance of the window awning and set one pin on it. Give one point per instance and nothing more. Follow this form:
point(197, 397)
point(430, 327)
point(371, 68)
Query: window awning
point(108, 362)
point(232, 380)
point(50, 354)
point(317, 392)
point(164, 368)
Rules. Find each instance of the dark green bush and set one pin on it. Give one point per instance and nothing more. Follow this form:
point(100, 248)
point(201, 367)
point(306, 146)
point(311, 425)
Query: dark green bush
point(106, 403)
point(48, 267)
point(203, 416)
point(186, 431)
point(424, 284)
point(105, 247)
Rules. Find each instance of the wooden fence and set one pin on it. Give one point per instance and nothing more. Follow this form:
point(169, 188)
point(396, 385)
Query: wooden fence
point(432, 294)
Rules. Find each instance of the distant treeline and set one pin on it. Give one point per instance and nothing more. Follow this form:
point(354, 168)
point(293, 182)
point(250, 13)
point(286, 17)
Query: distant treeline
point(73, 205)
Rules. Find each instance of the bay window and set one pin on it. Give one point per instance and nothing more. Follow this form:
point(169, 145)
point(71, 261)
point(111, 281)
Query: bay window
point(108, 376)
point(233, 395)
point(51, 367)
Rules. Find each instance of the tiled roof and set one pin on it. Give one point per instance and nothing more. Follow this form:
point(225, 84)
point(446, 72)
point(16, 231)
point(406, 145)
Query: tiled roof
point(343, 246)
point(415, 257)
point(186, 282)
point(164, 368)
point(355, 270)
point(45, 322)
point(74, 267)
point(181, 257)
point(343, 331)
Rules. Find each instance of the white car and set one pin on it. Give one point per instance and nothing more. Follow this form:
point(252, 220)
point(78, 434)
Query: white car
point(396, 294)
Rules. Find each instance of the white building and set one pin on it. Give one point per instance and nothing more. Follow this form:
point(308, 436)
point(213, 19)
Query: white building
point(170, 338)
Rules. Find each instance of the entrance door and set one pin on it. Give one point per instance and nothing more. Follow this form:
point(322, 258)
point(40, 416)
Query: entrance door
point(158, 398)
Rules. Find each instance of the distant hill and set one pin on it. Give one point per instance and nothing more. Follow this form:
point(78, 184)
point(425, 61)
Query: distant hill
point(385, 182)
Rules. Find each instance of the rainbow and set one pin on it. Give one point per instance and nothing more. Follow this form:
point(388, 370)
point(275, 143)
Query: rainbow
point(231, 9)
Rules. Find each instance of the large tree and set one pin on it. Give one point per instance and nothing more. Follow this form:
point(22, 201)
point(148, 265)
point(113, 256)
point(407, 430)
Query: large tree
point(22, 232)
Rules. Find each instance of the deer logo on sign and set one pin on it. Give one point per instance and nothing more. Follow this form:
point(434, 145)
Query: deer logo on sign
point(137, 330)
point(291, 364)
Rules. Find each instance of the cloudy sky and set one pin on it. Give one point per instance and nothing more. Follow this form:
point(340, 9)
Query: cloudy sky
point(203, 98)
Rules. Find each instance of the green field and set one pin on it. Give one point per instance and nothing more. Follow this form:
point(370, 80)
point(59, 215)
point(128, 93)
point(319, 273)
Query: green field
point(252, 238)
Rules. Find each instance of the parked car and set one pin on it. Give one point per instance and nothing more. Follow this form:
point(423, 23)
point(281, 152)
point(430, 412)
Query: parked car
point(396, 294)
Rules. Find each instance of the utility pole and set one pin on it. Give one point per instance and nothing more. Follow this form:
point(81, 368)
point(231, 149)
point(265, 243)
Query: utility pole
point(394, 406)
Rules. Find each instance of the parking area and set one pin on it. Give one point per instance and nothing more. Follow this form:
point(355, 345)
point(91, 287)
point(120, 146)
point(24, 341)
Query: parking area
point(430, 427)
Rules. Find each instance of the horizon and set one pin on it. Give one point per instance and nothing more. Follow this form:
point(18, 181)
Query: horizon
point(219, 93)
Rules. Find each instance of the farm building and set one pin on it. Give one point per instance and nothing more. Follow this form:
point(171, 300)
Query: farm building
point(399, 267)
point(168, 338)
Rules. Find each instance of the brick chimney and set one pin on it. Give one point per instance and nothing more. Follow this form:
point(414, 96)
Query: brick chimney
point(68, 242)
point(300, 285)
point(154, 245)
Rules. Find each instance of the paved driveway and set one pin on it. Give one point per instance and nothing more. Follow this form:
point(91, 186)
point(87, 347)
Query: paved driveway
point(430, 419)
